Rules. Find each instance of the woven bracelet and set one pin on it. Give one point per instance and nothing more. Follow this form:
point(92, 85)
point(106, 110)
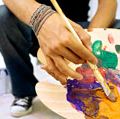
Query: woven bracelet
point(39, 17)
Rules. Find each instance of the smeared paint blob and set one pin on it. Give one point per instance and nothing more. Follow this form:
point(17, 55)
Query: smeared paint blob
point(117, 47)
point(85, 95)
point(106, 59)
point(110, 75)
point(110, 39)
point(113, 76)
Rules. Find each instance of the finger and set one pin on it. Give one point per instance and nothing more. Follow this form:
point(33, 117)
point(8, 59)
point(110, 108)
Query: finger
point(58, 76)
point(63, 67)
point(84, 36)
point(52, 70)
point(86, 39)
point(81, 51)
point(69, 55)
point(90, 29)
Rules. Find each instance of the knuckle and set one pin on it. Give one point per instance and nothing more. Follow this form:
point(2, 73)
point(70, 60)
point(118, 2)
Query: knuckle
point(63, 70)
point(65, 39)
point(77, 61)
point(58, 65)
point(46, 68)
point(50, 69)
point(56, 47)
point(86, 37)
point(48, 52)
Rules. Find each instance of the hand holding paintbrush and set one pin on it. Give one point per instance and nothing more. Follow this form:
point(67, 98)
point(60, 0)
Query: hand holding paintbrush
point(97, 74)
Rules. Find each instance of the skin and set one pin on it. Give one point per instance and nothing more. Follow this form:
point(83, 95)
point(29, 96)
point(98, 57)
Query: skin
point(59, 44)
point(105, 14)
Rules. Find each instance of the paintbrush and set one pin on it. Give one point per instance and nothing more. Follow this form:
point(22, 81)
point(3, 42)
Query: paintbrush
point(110, 95)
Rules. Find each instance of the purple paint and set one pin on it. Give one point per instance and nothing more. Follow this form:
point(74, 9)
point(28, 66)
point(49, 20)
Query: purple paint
point(82, 94)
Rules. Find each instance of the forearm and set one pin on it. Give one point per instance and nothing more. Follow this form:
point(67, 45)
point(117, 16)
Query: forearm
point(23, 9)
point(105, 14)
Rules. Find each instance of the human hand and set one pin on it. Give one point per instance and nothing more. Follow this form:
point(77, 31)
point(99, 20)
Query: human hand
point(58, 44)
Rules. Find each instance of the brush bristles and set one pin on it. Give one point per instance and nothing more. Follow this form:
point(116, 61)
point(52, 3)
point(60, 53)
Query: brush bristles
point(112, 97)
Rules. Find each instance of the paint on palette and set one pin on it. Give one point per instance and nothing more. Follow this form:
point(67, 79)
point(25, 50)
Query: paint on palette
point(85, 94)
point(117, 47)
point(83, 97)
point(106, 59)
point(111, 39)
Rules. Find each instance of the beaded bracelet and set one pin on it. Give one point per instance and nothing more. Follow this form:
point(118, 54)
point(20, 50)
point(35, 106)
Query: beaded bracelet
point(39, 17)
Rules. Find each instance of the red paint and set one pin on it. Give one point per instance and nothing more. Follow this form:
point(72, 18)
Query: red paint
point(105, 47)
point(110, 39)
point(88, 75)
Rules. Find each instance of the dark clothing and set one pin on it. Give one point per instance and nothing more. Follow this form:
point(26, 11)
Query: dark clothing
point(76, 10)
point(17, 40)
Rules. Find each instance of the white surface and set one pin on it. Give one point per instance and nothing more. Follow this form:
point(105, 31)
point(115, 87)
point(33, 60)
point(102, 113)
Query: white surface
point(54, 97)
point(1, 2)
point(2, 64)
point(39, 110)
point(5, 85)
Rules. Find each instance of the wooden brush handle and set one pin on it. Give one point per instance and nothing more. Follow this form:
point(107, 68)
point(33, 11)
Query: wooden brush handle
point(92, 66)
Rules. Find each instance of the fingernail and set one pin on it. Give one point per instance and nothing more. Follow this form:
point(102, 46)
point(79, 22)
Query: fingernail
point(90, 30)
point(80, 77)
point(65, 86)
point(63, 83)
point(96, 61)
point(42, 67)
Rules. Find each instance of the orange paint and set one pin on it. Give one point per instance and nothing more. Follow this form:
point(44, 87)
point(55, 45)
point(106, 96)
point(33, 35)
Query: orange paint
point(108, 108)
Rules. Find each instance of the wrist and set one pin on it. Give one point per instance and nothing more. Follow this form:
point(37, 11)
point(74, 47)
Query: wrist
point(38, 18)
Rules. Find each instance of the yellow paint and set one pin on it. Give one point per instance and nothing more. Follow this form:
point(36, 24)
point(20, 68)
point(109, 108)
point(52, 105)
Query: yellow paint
point(108, 108)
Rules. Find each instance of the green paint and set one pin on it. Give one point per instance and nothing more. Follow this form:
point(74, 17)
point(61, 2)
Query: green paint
point(106, 59)
point(117, 47)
